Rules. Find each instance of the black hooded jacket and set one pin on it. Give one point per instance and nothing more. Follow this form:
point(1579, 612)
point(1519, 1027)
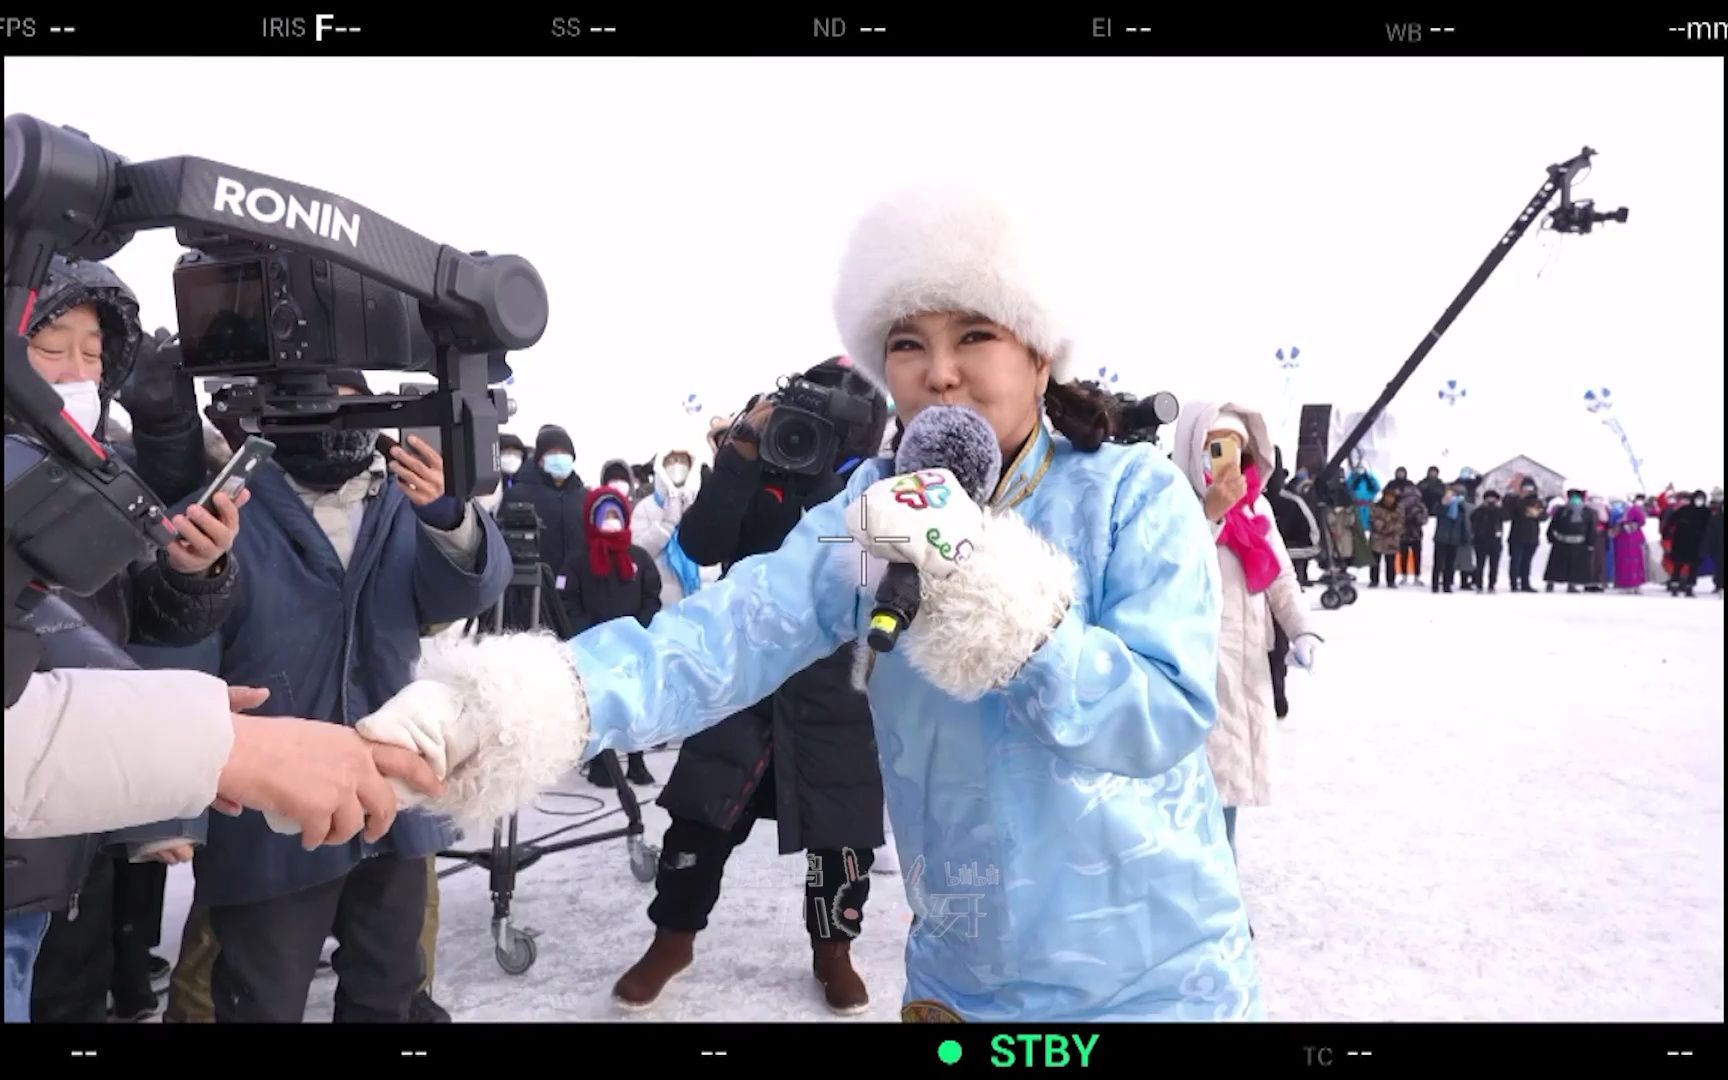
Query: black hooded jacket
point(816, 729)
point(150, 603)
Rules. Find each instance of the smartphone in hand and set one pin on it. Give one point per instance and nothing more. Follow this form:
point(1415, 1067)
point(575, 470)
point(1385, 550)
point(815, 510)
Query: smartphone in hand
point(235, 475)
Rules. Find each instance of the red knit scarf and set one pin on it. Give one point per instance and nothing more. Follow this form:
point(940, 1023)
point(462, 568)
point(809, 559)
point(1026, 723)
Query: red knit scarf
point(1245, 534)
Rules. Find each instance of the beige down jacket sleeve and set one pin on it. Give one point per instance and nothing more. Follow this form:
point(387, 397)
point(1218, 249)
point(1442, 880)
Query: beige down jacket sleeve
point(90, 751)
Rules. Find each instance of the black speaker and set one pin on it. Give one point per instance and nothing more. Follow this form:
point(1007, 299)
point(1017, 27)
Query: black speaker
point(1313, 436)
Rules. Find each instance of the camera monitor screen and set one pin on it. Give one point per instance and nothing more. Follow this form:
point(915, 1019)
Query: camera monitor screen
point(222, 315)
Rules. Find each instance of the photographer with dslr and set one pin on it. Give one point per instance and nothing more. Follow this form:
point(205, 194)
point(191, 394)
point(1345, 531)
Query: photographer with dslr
point(351, 564)
point(805, 756)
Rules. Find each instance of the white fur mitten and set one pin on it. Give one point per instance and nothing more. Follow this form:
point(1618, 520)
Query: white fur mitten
point(499, 718)
point(977, 627)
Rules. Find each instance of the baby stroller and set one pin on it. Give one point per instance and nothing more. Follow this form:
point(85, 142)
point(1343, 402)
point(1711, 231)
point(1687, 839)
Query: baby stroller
point(1337, 584)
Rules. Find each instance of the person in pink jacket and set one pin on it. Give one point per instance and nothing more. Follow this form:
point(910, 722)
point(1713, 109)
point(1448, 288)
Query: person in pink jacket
point(1628, 551)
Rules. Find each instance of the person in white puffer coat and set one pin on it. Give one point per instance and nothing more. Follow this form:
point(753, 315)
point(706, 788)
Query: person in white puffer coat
point(654, 523)
point(1259, 584)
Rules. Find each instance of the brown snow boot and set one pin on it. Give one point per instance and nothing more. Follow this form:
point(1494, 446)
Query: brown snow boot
point(841, 986)
point(671, 952)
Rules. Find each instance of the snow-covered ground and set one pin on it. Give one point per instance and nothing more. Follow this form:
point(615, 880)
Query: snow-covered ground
point(1500, 807)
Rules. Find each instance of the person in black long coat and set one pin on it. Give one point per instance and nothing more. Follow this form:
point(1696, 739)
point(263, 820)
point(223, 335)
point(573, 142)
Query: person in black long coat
point(1570, 532)
point(1687, 527)
point(1524, 514)
point(805, 756)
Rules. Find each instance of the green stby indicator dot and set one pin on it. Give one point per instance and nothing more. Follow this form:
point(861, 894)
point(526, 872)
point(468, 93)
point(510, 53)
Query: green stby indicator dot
point(949, 1052)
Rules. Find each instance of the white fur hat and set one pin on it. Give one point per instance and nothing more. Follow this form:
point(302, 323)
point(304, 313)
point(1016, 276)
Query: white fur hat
point(944, 249)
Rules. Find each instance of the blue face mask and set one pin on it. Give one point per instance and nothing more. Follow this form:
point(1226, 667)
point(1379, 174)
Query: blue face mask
point(558, 466)
point(1575, 501)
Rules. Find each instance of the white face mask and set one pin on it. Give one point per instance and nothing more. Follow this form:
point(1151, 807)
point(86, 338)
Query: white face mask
point(622, 487)
point(83, 403)
point(509, 463)
point(677, 474)
point(611, 524)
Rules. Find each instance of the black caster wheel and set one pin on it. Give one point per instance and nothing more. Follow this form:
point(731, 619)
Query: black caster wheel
point(644, 859)
point(1330, 600)
point(520, 955)
point(1347, 593)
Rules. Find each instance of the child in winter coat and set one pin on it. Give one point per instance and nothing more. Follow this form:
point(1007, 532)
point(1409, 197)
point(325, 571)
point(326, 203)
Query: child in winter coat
point(1451, 532)
point(1487, 523)
point(611, 578)
point(1387, 522)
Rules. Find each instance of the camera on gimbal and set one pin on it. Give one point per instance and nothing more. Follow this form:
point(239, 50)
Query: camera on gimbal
point(247, 308)
point(801, 437)
point(288, 283)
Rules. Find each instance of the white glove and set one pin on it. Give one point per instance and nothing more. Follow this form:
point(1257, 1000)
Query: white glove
point(500, 718)
point(923, 518)
point(1302, 651)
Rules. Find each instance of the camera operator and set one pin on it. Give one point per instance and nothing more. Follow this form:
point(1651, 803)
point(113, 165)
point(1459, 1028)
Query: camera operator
point(83, 337)
point(804, 757)
point(355, 555)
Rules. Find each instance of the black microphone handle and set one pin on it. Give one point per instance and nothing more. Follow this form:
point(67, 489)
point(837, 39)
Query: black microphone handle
point(897, 600)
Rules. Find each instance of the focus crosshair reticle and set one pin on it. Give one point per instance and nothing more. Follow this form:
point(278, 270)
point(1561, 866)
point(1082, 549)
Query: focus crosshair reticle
point(864, 555)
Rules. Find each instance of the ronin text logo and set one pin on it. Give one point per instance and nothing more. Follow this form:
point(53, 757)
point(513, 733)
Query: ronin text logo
point(269, 207)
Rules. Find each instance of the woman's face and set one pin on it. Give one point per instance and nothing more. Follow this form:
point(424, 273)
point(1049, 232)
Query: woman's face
point(955, 358)
point(69, 349)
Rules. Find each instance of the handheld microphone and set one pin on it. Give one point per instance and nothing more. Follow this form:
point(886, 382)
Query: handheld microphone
point(941, 437)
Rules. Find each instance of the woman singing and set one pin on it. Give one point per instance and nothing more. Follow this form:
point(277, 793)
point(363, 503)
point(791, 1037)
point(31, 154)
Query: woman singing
point(1042, 724)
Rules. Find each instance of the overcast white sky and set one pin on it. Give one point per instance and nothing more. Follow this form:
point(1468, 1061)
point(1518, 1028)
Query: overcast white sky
point(688, 215)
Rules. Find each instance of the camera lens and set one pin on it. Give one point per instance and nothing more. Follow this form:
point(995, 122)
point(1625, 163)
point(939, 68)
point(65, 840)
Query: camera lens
point(794, 443)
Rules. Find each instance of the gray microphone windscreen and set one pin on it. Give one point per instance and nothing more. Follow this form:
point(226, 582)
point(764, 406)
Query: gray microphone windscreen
point(957, 439)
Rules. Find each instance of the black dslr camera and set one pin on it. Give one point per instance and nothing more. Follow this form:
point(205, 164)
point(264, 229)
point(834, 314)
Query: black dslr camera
point(1142, 419)
point(801, 438)
point(247, 308)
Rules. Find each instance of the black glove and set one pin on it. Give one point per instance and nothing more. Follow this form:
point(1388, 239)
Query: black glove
point(159, 394)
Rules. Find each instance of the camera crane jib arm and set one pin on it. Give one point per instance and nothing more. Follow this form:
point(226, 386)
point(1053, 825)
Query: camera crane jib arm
point(1573, 217)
